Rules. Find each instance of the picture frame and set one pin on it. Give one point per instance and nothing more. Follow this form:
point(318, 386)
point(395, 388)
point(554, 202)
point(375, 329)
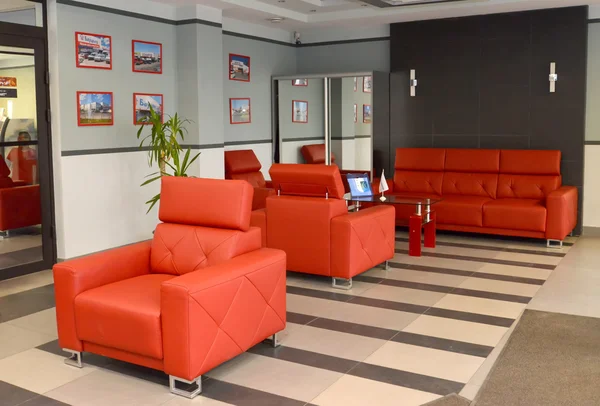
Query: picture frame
point(240, 110)
point(141, 106)
point(300, 82)
point(355, 113)
point(239, 68)
point(300, 111)
point(95, 108)
point(355, 83)
point(93, 51)
point(368, 84)
point(367, 114)
point(146, 57)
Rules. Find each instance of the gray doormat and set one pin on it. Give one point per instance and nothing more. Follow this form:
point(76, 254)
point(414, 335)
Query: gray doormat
point(551, 359)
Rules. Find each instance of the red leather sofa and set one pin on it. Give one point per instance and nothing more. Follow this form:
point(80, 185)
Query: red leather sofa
point(20, 204)
point(200, 293)
point(309, 220)
point(243, 165)
point(504, 192)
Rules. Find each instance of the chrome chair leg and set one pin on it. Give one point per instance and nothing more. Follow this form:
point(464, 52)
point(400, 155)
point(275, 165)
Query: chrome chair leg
point(186, 393)
point(74, 359)
point(386, 265)
point(274, 340)
point(346, 284)
point(550, 244)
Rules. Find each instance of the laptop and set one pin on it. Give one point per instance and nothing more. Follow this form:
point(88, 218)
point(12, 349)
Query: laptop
point(360, 186)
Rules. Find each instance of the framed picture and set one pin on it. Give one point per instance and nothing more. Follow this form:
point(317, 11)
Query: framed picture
point(239, 68)
point(239, 111)
point(142, 103)
point(8, 81)
point(146, 57)
point(367, 113)
point(300, 82)
point(95, 108)
point(355, 113)
point(368, 84)
point(299, 111)
point(93, 51)
point(355, 83)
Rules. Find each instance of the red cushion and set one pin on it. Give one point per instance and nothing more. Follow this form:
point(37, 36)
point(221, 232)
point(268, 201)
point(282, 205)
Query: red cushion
point(530, 162)
point(315, 154)
point(526, 186)
point(473, 160)
point(470, 184)
point(307, 180)
point(418, 182)
point(515, 214)
point(420, 159)
point(242, 161)
point(256, 179)
point(461, 210)
point(117, 315)
point(178, 249)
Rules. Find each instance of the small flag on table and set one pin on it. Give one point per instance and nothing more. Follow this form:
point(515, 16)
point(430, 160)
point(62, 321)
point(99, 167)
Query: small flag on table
point(383, 186)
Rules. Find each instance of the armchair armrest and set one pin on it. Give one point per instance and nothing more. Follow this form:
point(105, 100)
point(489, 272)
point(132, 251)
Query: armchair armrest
point(269, 184)
point(362, 240)
point(20, 207)
point(561, 219)
point(79, 275)
point(211, 315)
point(260, 197)
point(375, 185)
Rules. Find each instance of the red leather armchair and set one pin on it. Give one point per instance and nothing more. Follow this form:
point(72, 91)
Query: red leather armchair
point(309, 220)
point(200, 293)
point(243, 165)
point(20, 205)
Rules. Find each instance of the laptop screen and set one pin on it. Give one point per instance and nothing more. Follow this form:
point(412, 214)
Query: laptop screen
point(359, 184)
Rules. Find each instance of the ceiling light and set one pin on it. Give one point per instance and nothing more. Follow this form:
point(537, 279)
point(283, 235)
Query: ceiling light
point(275, 20)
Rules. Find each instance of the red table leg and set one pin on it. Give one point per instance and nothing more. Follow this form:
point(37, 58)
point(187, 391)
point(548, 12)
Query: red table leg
point(414, 237)
point(430, 231)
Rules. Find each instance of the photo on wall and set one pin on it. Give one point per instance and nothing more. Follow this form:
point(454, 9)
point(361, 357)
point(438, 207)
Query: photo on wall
point(300, 82)
point(239, 111)
point(95, 108)
point(355, 113)
point(239, 68)
point(368, 84)
point(367, 113)
point(299, 111)
point(146, 57)
point(142, 103)
point(93, 51)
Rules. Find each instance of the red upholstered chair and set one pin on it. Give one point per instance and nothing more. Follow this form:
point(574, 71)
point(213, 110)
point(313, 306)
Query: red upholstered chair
point(243, 165)
point(20, 205)
point(309, 220)
point(315, 154)
point(200, 293)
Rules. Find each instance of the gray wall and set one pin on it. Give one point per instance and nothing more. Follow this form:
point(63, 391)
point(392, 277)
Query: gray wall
point(267, 59)
point(592, 130)
point(360, 98)
point(349, 57)
point(313, 94)
point(120, 80)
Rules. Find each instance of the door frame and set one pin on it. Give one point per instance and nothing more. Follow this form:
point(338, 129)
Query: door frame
point(36, 38)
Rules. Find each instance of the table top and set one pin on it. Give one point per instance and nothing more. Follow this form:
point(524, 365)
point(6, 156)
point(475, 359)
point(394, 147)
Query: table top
point(393, 199)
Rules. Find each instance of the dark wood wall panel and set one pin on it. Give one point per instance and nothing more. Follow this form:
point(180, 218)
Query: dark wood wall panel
point(483, 83)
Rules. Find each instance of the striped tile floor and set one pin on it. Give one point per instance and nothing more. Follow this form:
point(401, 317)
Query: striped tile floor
point(406, 336)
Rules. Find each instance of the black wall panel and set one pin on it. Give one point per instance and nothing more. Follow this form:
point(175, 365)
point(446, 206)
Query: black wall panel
point(483, 83)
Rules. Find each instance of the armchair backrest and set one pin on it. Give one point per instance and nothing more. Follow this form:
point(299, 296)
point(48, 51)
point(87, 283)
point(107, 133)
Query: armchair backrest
point(243, 165)
point(299, 219)
point(204, 222)
point(315, 154)
point(5, 180)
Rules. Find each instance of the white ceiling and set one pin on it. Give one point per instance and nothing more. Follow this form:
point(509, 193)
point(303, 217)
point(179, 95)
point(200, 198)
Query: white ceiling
point(15, 5)
point(302, 14)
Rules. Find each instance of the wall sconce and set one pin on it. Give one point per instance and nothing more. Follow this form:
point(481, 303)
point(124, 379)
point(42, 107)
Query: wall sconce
point(413, 83)
point(553, 77)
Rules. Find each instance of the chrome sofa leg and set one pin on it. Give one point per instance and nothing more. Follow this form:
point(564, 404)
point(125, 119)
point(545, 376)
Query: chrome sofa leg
point(274, 340)
point(74, 359)
point(551, 244)
point(346, 284)
point(386, 265)
point(189, 393)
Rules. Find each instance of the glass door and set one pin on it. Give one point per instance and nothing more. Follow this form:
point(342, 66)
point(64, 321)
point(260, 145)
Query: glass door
point(26, 218)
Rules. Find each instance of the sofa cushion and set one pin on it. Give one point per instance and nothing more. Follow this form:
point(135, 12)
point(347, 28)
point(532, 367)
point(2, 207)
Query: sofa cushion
point(461, 210)
point(241, 161)
point(256, 179)
point(526, 186)
point(118, 314)
point(470, 184)
point(472, 160)
point(515, 214)
point(418, 183)
point(420, 159)
point(530, 162)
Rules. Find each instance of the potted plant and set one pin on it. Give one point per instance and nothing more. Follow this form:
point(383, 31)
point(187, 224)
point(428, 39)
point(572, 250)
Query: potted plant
point(165, 149)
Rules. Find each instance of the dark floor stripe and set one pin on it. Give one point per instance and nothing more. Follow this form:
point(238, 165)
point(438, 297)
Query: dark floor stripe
point(472, 274)
point(25, 303)
point(491, 248)
point(444, 289)
point(406, 379)
point(354, 328)
point(408, 307)
point(298, 318)
point(319, 294)
point(459, 347)
point(486, 260)
point(303, 357)
point(11, 395)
